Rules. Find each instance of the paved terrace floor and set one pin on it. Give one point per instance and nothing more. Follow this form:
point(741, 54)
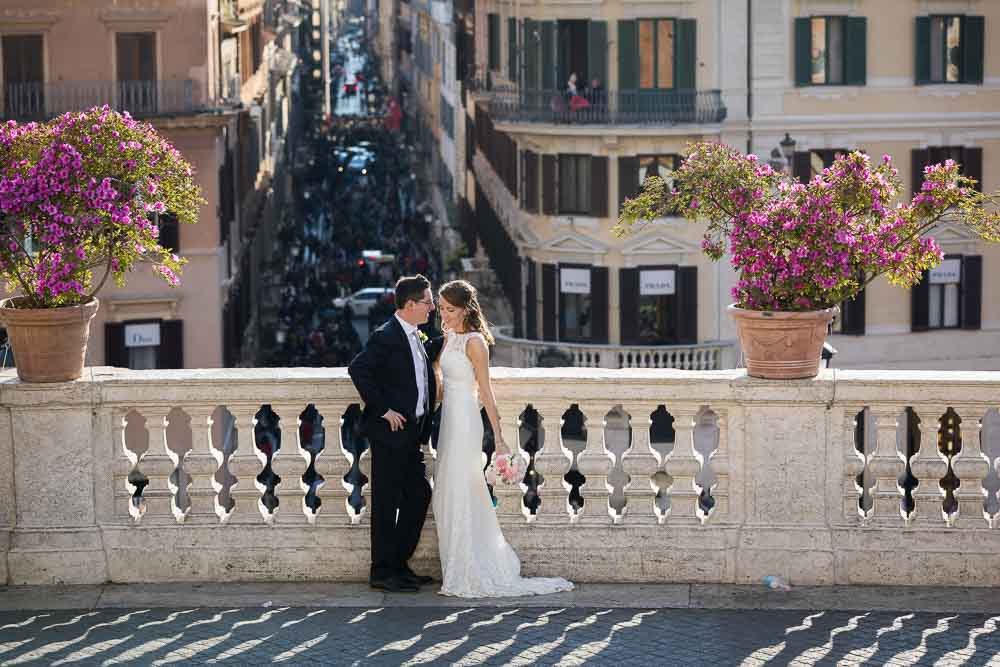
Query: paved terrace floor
point(598, 624)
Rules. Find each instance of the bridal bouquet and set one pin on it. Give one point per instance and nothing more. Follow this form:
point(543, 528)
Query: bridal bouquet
point(508, 469)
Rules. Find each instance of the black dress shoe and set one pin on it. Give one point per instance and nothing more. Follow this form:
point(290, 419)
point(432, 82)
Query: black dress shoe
point(418, 579)
point(394, 584)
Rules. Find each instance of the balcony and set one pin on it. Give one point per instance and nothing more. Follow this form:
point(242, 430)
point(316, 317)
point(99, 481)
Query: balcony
point(854, 477)
point(524, 353)
point(616, 107)
point(39, 101)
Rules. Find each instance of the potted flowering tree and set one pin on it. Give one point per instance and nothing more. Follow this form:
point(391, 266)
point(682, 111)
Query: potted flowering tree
point(801, 249)
point(78, 202)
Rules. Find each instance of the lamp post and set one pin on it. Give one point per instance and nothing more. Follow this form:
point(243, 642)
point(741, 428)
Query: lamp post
point(781, 159)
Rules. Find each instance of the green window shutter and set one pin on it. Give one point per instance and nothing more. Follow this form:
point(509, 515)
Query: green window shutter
point(628, 305)
point(919, 158)
point(801, 166)
point(972, 165)
point(973, 43)
point(599, 186)
point(493, 39)
point(628, 178)
point(687, 305)
point(972, 292)
point(920, 304)
point(923, 61)
point(857, 50)
point(512, 49)
point(550, 200)
point(532, 53)
point(803, 52)
point(597, 52)
point(628, 55)
point(549, 55)
point(853, 315)
point(599, 304)
point(685, 55)
point(549, 305)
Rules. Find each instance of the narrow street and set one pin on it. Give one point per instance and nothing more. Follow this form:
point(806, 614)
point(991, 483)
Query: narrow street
point(357, 226)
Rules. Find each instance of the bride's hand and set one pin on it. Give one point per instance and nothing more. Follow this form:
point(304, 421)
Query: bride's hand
point(501, 447)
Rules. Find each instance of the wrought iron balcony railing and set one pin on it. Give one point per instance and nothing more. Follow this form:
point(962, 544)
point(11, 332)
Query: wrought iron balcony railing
point(614, 107)
point(38, 101)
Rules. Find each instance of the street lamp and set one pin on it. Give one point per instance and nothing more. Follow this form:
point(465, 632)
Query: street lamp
point(787, 147)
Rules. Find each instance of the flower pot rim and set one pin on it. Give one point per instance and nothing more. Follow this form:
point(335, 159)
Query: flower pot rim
point(737, 311)
point(7, 304)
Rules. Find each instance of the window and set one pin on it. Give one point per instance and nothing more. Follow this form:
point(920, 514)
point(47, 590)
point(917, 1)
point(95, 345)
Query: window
point(169, 226)
point(23, 76)
point(807, 164)
point(950, 49)
point(633, 172)
point(658, 305)
point(574, 184)
point(656, 165)
point(575, 303)
point(144, 344)
point(656, 53)
point(827, 53)
point(831, 50)
point(137, 72)
point(969, 159)
point(949, 296)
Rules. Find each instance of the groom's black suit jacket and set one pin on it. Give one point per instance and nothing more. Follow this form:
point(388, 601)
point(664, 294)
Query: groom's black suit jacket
point(383, 374)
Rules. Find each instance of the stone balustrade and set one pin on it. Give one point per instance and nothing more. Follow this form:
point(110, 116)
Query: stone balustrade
point(640, 475)
point(525, 353)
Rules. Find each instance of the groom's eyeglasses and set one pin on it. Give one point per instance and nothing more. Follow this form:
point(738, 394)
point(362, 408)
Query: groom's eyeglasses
point(427, 302)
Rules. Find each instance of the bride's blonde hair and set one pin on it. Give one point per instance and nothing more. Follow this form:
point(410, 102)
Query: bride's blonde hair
point(462, 294)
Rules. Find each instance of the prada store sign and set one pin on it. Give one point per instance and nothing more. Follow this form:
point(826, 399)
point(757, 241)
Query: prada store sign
point(656, 283)
point(574, 281)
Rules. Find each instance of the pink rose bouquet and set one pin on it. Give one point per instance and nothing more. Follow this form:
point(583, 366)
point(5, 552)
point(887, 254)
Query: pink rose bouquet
point(508, 469)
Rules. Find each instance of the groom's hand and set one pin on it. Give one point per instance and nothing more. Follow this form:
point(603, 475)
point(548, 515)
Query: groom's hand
point(396, 420)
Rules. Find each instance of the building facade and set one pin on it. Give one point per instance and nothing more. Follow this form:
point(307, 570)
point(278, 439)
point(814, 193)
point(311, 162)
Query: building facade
point(568, 109)
point(216, 78)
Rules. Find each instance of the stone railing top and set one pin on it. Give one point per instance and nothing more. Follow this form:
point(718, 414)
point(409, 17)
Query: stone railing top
point(513, 385)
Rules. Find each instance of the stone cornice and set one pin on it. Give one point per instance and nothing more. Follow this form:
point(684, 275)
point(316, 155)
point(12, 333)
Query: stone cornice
point(28, 20)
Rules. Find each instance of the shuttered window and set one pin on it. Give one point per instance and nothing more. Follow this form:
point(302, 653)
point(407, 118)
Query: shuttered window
point(950, 49)
point(633, 172)
point(168, 354)
point(950, 295)
point(969, 158)
point(574, 184)
point(807, 164)
point(23, 76)
point(658, 305)
point(657, 54)
point(169, 232)
point(831, 50)
point(512, 60)
point(531, 302)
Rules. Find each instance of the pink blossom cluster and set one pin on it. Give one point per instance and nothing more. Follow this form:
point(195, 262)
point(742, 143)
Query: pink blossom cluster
point(77, 195)
point(508, 468)
point(807, 246)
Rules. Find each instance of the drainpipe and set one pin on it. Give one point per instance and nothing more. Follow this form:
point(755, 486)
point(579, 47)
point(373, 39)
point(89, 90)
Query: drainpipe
point(749, 76)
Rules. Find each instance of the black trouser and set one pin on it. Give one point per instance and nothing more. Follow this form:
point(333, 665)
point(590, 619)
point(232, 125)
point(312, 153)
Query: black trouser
point(399, 483)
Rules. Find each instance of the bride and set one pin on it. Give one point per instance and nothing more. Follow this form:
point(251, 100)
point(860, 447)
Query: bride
point(476, 560)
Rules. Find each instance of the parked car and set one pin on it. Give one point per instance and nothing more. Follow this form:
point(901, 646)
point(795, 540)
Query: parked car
point(362, 301)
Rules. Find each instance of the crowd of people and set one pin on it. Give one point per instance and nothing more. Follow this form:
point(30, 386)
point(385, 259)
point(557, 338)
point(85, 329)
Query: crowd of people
point(358, 222)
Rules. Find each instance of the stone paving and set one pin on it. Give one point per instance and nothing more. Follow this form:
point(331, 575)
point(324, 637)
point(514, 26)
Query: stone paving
point(636, 625)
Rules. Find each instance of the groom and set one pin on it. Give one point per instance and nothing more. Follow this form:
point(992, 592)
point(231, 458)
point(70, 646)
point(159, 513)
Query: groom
point(395, 377)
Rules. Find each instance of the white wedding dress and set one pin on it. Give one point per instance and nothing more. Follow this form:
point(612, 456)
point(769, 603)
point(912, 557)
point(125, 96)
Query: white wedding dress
point(476, 560)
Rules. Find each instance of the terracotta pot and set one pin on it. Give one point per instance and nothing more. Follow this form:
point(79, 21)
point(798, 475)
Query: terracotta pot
point(782, 345)
point(49, 344)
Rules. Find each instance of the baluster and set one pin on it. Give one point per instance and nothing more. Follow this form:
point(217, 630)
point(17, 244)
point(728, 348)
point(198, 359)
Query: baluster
point(510, 502)
point(683, 465)
point(201, 463)
point(244, 466)
point(929, 467)
point(971, 465)
point(718, 463)
point(158, 463)
point(884, 465)
point(640, 463)
point(551, 463)
point(594, 464)
point(287, 463)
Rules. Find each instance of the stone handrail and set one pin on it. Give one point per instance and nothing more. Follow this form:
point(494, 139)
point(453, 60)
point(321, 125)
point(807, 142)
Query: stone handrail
point(524, 353)
point(854, 477)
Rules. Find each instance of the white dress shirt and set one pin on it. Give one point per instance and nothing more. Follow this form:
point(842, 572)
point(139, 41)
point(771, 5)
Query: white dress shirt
point(419, 363)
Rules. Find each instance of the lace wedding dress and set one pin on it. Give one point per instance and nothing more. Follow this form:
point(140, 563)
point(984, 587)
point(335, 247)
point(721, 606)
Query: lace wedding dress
point(476, 560)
